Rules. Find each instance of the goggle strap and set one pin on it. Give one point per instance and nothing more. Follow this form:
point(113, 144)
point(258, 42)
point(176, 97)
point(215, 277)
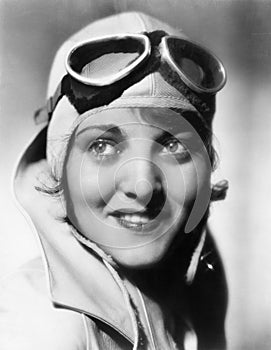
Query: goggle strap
point(44, 114)
point(59, 93)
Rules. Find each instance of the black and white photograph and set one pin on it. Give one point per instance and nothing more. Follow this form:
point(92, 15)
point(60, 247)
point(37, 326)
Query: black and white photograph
point(135, 141)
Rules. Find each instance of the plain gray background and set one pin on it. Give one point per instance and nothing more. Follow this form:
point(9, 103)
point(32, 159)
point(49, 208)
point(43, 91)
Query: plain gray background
point(239, 32)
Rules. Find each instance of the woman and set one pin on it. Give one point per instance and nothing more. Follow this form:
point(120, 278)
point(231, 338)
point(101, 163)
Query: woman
point(117, 186)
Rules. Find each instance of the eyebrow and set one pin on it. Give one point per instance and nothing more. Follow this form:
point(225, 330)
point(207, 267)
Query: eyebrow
point(168, 135)
point(103, 127)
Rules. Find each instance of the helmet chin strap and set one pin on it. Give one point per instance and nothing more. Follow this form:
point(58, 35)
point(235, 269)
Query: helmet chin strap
point(192, 268)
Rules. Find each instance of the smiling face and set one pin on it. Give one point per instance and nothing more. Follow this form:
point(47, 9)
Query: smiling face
point(131, 177)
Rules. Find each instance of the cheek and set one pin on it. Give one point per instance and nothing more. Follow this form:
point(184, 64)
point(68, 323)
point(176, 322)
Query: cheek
point(186, 181)
point(94, 183)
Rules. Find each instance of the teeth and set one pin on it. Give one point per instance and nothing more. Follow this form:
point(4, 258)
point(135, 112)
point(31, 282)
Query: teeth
point(135, 218)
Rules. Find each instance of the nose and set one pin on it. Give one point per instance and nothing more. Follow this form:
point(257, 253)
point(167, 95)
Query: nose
point(139, 179)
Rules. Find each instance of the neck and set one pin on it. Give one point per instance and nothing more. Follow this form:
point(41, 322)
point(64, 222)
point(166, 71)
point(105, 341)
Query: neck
point(166, 279)
point(158, 281)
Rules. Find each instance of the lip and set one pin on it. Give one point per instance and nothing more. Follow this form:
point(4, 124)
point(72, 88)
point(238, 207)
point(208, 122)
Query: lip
point(142, 227)
point(137, 227)
point(128, 211)
point(150, 213)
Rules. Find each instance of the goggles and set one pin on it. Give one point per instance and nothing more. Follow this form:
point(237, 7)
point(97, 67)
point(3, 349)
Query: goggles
point(106, 60)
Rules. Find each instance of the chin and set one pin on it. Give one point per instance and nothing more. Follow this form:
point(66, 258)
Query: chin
point(140, 258)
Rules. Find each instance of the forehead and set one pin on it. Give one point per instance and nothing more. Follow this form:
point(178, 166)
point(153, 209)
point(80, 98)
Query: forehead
point(128, 118)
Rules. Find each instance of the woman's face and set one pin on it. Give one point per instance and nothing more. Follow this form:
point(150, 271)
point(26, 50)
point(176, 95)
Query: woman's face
point(131, 178)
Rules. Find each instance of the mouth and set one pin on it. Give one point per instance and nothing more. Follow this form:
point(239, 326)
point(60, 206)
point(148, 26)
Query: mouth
point(144, 220)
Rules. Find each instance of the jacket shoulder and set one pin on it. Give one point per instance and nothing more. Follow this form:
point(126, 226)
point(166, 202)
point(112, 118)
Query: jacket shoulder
point(28, 318)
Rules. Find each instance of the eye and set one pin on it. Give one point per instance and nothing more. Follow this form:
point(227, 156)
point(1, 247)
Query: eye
point(176, 148)
point(103, 148)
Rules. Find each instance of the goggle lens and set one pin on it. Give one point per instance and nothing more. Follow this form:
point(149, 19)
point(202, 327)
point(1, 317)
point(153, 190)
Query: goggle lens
point(108, 64)
point(197, 66)
point(102, 62)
